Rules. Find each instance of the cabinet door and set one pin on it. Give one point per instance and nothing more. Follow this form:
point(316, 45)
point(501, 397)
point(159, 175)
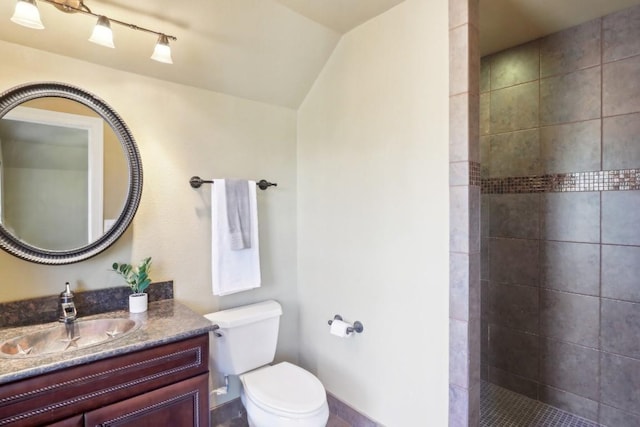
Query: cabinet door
point(183, 404)
point(77, 421)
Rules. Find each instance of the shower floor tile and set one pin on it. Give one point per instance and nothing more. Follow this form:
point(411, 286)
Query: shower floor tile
point(500, 407)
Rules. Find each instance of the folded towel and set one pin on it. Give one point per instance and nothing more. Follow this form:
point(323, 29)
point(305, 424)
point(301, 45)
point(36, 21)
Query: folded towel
point(238, 213)
point(233, 270)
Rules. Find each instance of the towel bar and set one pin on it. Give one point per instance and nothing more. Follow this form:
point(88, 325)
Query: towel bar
point(196, 182)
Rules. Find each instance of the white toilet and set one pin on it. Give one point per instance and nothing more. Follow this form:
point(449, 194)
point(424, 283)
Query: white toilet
point(281, 395)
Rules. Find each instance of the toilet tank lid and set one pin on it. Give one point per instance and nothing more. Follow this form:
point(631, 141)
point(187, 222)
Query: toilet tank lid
point(245, 314)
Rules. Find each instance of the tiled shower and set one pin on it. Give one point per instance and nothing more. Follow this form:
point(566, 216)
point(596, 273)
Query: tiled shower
point(560, 168)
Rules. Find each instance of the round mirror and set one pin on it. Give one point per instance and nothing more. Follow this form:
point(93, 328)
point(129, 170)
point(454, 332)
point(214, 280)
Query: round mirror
point(70, 174)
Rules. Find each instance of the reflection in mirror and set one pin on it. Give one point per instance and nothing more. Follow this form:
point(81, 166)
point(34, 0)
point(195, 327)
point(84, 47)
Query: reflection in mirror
point(70, 174)
point(54, 153)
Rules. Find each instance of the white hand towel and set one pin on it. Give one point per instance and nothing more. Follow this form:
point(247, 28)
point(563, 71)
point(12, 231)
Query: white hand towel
point(233, 270)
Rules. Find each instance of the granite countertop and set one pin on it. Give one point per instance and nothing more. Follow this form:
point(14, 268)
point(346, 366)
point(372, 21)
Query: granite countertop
point(166, 321)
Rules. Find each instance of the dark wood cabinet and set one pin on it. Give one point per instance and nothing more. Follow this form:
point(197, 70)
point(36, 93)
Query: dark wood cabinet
point(163, 385)
point(174, 405)
point(77, 421)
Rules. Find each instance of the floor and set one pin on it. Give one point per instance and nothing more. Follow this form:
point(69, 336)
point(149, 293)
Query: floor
point(334, 421)
point(500, 407)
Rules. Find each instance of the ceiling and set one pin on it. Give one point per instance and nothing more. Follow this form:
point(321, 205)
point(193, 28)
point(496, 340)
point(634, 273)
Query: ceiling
point(507, 23)
point(265, 50)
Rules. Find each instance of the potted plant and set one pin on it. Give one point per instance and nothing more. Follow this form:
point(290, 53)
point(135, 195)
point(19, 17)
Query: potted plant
point(138, 280)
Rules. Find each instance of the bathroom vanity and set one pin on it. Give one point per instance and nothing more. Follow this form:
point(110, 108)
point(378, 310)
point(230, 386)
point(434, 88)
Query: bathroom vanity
point(155, 375)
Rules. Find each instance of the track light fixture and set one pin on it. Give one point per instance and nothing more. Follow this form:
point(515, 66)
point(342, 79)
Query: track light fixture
point(27, 15)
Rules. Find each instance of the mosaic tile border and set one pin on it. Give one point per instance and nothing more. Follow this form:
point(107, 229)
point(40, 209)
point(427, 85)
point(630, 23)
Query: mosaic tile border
point(474, 174)
point(609, 180)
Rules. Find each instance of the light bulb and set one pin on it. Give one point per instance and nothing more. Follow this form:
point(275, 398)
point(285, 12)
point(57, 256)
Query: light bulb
point(162, 51)
point(27, 15)
point(102, 33)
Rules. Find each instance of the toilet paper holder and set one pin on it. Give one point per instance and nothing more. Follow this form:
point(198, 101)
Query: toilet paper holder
point(357, 325)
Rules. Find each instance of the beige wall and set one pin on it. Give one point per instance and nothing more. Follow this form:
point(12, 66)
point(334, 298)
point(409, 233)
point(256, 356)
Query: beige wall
point(181, 131)
point(365, 201)
point(373, 216)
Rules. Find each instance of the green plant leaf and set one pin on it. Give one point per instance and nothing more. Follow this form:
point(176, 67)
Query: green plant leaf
point(137, 278)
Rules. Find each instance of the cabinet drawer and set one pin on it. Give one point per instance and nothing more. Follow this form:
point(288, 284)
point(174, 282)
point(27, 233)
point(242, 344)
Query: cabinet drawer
point(47, 398)
point(179, 404)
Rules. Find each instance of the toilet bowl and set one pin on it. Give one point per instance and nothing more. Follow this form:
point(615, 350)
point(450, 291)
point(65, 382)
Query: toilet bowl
point(281, 395)
point(284, 395)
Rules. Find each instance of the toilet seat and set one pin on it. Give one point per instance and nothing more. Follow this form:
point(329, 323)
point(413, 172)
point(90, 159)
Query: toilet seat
point(285, 389)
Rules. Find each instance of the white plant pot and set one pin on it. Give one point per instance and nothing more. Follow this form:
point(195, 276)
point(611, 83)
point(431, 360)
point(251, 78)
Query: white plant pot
point(138, 303)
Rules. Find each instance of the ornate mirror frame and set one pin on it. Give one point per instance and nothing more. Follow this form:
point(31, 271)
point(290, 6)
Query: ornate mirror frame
point(23, 93)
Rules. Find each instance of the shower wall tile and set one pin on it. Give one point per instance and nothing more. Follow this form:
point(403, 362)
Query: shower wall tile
point(570, 147)
point(620, 272)
point(485, 210)
point(621, 35)
point(621, 90)
point(570, 267)
point(462, 12)
point(485, 74)
point(464, 294)
point(513, 306)
point(513, 382)
point(484, 372)
point(572, 217)
point(458, 406)
point(484, 343)
point(514, 108)
point(463, 128)
point(620, 382)
point(460, 132)
point(615, 417)
point(620, 148)
point(571, 50)
point(459, 271)
point(474, 221)
point(560, 261)
point(570, 97)
point(570, 367)
point(517, 65)
point(514, 215)
point(462, 79)
point(484, 157)
point(514, 352)
point(459, 173)
point(572, 403)
point(619, 328)
point(571, 318)
point(459, 219)
point(484, 258)
point(485, 105)
point(515, 154)
point(464, 406)
point(514, 261)
point(484, 304)
point(475, 343)
point(459, 353)
point(620, 217)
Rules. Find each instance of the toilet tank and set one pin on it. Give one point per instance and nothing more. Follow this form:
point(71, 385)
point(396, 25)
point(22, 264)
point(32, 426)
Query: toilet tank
point(248, 337)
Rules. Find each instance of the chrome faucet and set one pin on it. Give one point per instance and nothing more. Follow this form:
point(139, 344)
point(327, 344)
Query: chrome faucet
point(68, 309)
